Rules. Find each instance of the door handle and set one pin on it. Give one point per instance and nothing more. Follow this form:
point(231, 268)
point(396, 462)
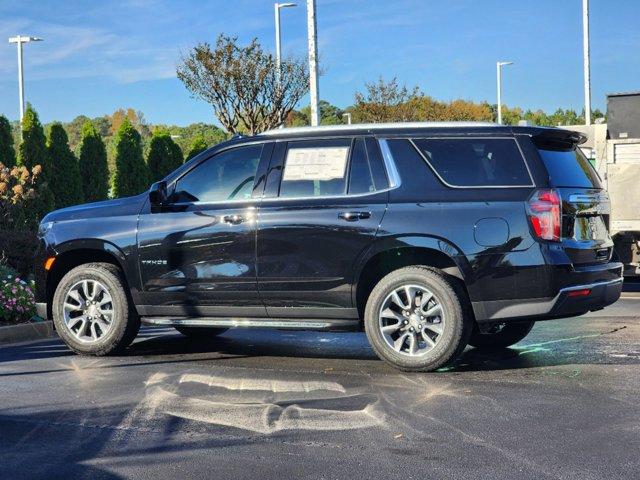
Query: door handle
point(354, 216)
point(233, 219)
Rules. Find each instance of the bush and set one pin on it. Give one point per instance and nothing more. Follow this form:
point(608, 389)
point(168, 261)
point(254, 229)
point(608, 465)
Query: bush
point(20, 202)
point(64, 180)
point(17, 303)
point(131, 175)
point(164, 156)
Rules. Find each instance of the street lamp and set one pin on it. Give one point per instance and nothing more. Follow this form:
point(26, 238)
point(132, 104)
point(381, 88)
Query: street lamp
point(348, 115)
point(19, 40)
point(499, 65)
point(312, 40)
point(276, 8)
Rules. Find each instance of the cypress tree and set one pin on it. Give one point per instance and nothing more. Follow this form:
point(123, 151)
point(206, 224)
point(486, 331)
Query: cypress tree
point(32, 152)
point(7, 153)
point(164, 156)
point(33, 149)
point(131, 173)
point(199, 145)
point(64, 178)
point(94, 170)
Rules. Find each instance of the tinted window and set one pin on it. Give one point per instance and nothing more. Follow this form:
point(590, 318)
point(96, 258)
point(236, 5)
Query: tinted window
point(376, 164)
point(226, 176)
point(476, 162)
point(569, 168)
point(315, 168)
point(360, 178)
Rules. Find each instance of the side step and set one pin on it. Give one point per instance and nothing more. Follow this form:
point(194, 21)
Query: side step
point(277, 323)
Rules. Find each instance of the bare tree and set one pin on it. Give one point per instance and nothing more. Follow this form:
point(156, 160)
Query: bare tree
point(241, 83)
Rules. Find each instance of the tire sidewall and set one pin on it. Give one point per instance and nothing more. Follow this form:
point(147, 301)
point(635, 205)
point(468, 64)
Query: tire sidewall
point(454, 324)
point(108, 342)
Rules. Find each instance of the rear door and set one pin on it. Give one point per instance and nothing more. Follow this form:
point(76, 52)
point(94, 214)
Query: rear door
point(585, 205)
point(324, 200)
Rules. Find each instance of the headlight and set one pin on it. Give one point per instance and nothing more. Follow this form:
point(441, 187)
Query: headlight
point(44, 228)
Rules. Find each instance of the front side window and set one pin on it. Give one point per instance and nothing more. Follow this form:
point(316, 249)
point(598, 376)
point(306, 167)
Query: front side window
point(476, 162)
point(226, 176)
point(315, 168)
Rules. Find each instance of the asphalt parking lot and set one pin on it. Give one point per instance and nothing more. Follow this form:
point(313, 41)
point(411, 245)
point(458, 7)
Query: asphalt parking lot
point(562, 404)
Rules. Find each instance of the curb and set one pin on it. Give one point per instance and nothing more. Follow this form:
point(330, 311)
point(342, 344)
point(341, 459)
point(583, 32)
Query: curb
point(26, 331)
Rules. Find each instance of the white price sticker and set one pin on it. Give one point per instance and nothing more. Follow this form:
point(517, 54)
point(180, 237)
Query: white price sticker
point(325, 163)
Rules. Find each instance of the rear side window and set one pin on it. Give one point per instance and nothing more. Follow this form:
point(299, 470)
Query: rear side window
point(476, 162)
point(569, 168)
point(360, 177)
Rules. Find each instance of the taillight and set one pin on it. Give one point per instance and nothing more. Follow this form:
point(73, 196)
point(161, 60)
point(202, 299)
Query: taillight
point(544, 210)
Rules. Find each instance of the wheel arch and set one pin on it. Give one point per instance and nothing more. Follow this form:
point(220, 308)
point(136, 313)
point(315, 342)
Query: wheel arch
point(78, 252)
point(387, 255)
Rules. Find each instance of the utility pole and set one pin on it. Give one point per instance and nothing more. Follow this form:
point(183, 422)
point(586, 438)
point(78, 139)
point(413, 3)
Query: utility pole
point(19, 40)
point(499, 66)
point(276, 8)
point(313, 61)
point(587, 68)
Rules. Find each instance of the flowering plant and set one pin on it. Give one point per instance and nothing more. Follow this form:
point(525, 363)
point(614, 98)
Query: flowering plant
point(16, 299)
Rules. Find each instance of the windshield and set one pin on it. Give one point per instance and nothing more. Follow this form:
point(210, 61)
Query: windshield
point(569, 168)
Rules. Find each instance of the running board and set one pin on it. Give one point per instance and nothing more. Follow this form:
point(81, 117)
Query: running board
point(277, 323)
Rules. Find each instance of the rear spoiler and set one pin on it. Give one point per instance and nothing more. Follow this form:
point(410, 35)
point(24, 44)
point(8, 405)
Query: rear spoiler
point(555, 138)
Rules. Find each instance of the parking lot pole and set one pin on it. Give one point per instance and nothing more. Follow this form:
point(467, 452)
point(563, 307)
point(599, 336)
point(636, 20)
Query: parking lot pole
point(313, 61)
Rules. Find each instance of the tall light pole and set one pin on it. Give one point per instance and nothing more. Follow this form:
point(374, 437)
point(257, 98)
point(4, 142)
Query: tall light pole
point(313, 61)
point(587, 69)
point(19, 40)
point(499, 66)
point(276, 8)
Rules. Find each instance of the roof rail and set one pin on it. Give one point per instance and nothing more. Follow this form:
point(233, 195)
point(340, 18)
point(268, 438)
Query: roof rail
point(374, 126)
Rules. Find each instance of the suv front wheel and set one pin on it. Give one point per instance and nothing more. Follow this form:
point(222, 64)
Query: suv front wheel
point(92, 312)
point(416, 319)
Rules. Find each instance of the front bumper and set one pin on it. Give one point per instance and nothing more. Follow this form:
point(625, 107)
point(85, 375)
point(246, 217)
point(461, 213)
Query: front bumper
point(581, 291)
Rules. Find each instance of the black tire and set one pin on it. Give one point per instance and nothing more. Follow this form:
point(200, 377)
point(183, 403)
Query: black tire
point(507, 335)
point(200, 332)
point(124, 324)
point(455, 306)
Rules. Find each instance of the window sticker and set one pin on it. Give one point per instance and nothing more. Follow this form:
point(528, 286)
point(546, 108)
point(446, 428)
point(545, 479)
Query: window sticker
point(326, 163)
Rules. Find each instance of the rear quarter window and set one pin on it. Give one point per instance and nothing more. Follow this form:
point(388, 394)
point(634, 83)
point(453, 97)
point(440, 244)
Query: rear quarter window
point(476, 162)
point(569, 168)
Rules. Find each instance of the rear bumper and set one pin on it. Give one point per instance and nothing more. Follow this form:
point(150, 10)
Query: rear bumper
point(581, 291)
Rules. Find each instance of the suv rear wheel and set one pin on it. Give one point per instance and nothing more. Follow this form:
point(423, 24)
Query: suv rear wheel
point(92, 312)
point(501, 336)
point(416, 319)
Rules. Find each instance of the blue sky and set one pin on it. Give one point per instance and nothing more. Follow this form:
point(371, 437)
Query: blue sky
point(100, 56)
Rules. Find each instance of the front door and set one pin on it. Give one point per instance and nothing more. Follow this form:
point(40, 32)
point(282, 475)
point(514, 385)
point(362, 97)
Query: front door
point(197, 254)
point(321, 209)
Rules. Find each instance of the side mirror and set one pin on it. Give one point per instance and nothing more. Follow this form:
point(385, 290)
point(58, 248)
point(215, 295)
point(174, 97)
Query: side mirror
point(158, 194)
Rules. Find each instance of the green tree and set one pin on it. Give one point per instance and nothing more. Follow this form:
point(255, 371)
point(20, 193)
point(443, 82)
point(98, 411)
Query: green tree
point(198, 145)
point(32, 154)
point(33, 149)
point(7, 153)
point(93, 165)
point(131, 175)
point(64, 178)
point(164, 155)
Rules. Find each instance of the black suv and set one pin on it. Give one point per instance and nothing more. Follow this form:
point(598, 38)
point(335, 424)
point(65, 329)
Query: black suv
point(427, 236)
